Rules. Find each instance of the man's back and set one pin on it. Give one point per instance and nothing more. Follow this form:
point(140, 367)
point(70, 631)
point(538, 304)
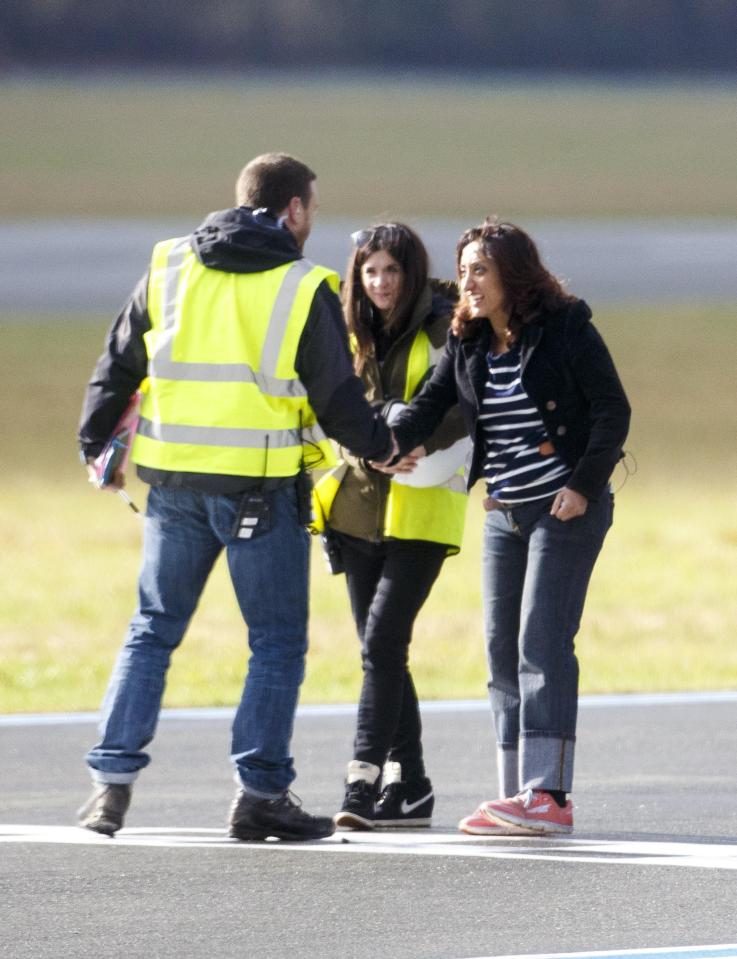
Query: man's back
point(227, 307)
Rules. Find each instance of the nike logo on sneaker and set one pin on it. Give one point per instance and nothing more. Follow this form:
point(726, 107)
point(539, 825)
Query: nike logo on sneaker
point(407, 807)
point(534, 810)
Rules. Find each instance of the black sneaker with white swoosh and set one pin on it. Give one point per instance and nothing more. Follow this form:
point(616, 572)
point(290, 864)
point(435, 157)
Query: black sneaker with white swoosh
point(405, 804)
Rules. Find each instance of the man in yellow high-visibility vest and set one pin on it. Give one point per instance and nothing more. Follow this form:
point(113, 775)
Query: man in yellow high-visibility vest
point(239, 348)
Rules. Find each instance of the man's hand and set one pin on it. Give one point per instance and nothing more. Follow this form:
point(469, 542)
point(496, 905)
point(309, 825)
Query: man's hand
point(568, 504)
point(116, 483)
point(395, 451)
point(406, 464)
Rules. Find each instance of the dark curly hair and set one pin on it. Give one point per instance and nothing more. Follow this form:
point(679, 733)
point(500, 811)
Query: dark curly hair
point(529, 288)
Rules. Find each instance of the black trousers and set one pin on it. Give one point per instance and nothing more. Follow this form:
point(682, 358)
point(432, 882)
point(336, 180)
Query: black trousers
point(388, 583)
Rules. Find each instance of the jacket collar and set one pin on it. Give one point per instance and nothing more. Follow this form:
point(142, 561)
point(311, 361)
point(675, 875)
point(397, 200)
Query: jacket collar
point(475, 352)
point(531, 336)
point(423, 307)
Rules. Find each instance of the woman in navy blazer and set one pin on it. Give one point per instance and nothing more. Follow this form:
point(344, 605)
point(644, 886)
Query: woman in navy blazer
point(542, 399)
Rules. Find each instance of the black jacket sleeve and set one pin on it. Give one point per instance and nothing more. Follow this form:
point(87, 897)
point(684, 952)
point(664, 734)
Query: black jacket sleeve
point(336, 394)
point(426, 411)
point(609, 410)
point(119, 372)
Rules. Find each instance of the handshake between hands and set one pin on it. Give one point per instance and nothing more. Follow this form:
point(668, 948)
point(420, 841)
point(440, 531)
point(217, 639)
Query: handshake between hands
point(405, 464)
point(567, 503)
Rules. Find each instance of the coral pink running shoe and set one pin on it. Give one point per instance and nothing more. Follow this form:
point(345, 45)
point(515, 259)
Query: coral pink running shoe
point(479, 824)
point(533, 809)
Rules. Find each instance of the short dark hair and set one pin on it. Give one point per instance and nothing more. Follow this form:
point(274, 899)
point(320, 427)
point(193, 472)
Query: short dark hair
point(271, 180)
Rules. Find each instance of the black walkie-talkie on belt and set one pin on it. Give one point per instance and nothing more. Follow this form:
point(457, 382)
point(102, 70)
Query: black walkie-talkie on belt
point(254, 515)
point(254, 509)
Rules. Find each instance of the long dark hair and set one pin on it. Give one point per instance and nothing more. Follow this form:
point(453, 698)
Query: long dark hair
point(529, 288)
point(403, 244)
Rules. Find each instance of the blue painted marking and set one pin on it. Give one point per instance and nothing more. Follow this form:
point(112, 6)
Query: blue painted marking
point(697, 952)
point(668, 952)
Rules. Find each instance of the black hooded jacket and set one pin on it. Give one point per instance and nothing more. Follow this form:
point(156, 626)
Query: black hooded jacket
point(239, 240)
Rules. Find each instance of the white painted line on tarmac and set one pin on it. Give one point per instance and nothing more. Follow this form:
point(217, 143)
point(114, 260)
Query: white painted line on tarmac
point(664, 952)
point(699, 855)
point(428, 706)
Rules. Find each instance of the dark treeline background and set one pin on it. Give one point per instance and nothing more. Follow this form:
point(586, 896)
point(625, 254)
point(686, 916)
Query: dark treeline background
point(662, 36)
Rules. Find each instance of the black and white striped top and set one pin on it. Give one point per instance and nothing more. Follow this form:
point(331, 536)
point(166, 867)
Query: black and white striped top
point(519, 464)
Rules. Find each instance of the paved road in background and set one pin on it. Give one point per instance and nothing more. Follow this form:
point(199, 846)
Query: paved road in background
point(78, 266)
point(653, 861)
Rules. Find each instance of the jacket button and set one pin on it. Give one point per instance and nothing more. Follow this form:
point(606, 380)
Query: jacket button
point(561, 431)
point(551, 405)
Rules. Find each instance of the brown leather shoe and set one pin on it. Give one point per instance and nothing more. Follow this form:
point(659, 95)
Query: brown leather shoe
point(105, 809)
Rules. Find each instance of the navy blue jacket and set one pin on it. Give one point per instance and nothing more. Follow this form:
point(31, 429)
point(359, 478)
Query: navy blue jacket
point(568, 374)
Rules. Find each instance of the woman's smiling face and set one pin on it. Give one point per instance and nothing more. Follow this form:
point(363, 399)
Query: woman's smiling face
point(382, 277)
point(481, 286)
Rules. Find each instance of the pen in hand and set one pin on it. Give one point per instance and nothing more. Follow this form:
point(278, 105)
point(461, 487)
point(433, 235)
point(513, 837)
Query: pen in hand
point(126, 499)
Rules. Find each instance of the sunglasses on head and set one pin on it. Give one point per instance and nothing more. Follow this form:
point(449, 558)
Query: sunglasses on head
point(389, 232)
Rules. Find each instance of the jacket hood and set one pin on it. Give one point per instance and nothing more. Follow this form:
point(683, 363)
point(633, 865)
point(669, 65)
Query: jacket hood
point(444, 293)
point(436, 300)
point(242, 240)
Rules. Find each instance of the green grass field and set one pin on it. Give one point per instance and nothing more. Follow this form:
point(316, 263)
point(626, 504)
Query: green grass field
point(661, 608)
point(146, 147)
point(662, 605)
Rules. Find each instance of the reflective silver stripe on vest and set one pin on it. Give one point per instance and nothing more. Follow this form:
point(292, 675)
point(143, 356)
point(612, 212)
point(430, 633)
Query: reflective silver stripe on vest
point(314, 434)
point(217, 435)
point(181, 248)
point(228, 436)
point(279, 318)
point(163, 365)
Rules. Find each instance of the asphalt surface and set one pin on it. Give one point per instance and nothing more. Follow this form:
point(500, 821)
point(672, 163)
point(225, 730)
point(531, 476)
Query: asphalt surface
point(653, 861)
point(91, 266)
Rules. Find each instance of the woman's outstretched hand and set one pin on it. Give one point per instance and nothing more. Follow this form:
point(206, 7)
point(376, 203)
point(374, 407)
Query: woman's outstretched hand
point(404, 465)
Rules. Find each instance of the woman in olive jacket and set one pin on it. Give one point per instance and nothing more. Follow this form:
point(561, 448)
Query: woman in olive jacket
point(391, 540)
point(548, 415)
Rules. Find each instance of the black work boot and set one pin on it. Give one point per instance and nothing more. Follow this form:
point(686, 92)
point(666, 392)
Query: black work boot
point(105, 809)
point(252, 818)
point(361, 790)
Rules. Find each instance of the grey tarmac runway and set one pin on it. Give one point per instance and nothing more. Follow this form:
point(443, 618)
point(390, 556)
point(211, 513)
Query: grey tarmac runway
point(652, 863)
point(79, 266)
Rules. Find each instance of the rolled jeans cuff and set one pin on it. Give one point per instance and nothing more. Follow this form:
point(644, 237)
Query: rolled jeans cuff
point(254, 793)
point(112, 779)
point(546, 762)
point(507, 768)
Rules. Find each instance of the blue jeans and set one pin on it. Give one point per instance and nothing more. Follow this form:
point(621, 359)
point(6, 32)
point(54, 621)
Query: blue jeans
point(536, 571)
point(185, 532)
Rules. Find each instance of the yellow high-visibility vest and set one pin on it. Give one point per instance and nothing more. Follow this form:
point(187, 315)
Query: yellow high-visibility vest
point(433, 513)
point(223, 395)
